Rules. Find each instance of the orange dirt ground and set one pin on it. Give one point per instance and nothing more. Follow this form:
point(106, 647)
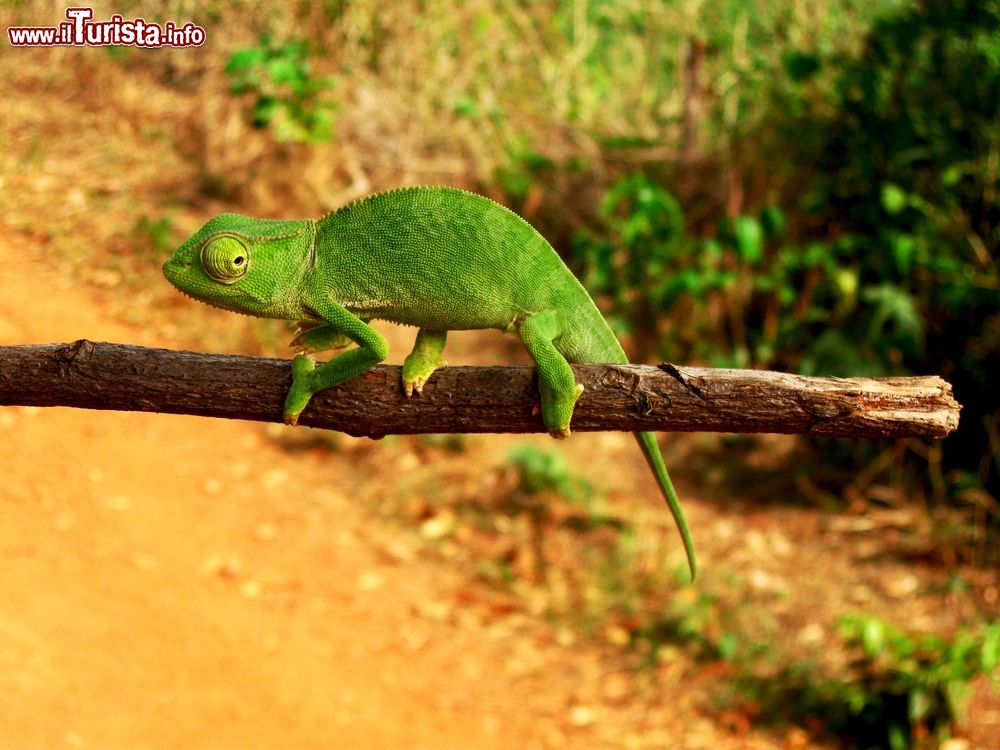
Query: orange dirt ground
point(179, 582)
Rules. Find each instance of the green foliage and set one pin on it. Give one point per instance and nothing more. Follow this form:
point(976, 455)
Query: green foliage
point(287, 96)
point(741, 291)
point(641, 261)
point(157, 234)
point(649, 267)
point(541, 471)
point(693, 619)
point(883, 261)
point(908, 685)
point(907, 164)
point(900, 690)
point(524, 167)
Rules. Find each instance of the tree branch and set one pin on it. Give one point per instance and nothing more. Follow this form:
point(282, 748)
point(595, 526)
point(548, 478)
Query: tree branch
point(92, 375)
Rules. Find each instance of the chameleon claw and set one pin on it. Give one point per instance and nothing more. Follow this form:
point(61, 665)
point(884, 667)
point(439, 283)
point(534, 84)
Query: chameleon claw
point(558, 412)
point(416, 383)
point(299, 345)
point(414, 386)
point(299, 393)
point(301, 366)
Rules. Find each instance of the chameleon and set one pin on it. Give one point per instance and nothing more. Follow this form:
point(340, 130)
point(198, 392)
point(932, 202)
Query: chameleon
point(437, 258)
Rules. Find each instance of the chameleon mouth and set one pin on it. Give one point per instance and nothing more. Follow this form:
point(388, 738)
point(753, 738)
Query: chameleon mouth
point(217, 306)
point(204, 301)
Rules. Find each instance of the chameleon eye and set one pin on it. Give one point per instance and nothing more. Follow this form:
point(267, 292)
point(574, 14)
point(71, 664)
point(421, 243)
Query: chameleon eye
point(225, 259)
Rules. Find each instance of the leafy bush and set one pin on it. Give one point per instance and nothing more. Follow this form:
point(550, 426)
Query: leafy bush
point(653, 273)
point(287, 96)
point(883, 261)
point(907, 175)
point(913, 686)
point(900, 690)
point(541, 471)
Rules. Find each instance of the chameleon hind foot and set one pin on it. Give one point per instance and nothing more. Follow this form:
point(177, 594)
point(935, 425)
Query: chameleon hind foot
point(417, 370)
point(557, 412)
point(414, 380)
point(556, 383)
point(425, 358)
point(559, 434)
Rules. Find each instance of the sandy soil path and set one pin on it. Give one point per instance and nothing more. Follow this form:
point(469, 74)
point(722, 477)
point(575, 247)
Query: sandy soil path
point(176, 582)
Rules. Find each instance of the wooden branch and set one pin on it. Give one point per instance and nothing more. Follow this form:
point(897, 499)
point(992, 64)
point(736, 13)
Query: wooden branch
point(91, 375)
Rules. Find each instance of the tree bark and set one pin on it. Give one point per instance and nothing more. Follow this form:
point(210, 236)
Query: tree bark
point(634, 398)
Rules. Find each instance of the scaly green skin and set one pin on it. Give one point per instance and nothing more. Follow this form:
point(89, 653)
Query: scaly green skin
point(437, 258)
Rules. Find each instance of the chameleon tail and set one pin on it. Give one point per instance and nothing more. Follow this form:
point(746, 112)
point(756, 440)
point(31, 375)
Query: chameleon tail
point(652, 453)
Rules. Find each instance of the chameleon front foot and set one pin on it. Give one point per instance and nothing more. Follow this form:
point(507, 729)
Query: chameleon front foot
point(301, 391)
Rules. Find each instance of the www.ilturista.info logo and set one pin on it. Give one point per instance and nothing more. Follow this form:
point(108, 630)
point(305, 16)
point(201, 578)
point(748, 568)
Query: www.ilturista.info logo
point(79, 30)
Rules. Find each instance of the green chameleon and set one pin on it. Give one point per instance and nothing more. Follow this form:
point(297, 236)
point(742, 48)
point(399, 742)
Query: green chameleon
point(437, 258)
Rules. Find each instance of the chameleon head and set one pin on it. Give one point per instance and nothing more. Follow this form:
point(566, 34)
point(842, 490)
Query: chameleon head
point(245, 265)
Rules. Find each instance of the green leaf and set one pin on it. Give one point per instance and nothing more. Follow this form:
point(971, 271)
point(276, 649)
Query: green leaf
point(894, 198)
point(873, 636)
point(847, 281)
point(285, 70)
point(816, 254)
point(903, 249)
point(264, 110)
point(748, 236)
point(897, 736)
point(244, 59)
point(773, 220)
point(896, 314)
point(466, 106)
point(990, 656)
point(712, 248)
point(800, 66)
point(540, 470)
point(728, 645)
point(952, 175)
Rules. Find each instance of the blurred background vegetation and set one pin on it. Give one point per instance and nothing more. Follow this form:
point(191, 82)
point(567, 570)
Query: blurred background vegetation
point(809, 186)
